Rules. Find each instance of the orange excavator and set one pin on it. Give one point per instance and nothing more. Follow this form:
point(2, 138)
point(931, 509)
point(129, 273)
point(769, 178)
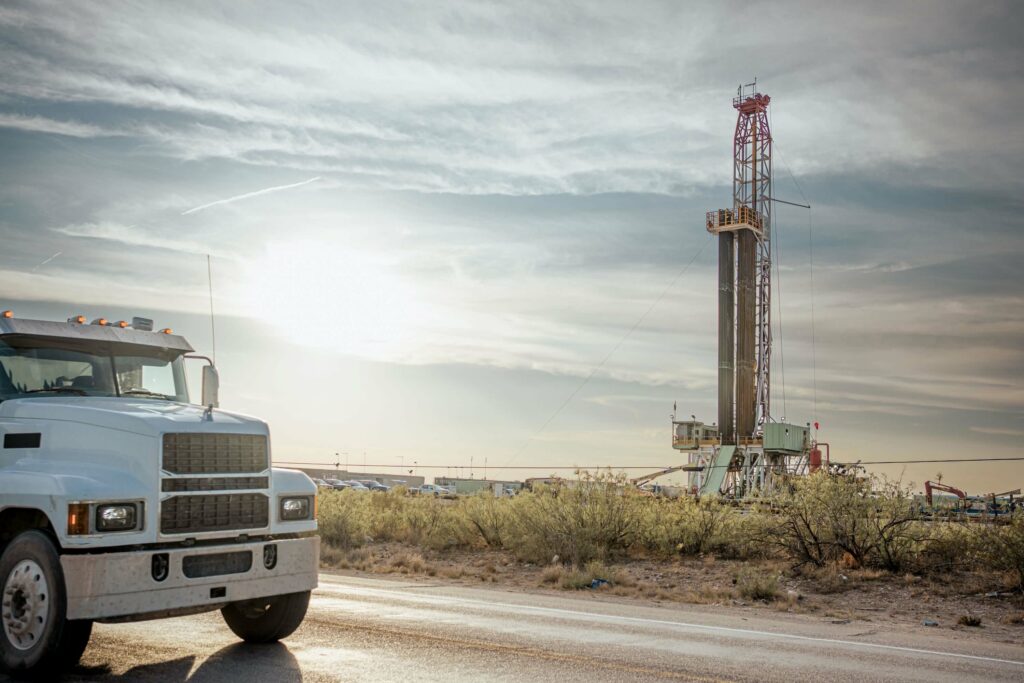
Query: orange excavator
point(930, 486)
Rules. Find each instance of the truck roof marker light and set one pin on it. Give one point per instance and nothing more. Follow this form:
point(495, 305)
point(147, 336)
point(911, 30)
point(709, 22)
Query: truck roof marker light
point(167, 330)
point(99, 321)
point(8, 314)
point(80, 319)
point(78, 519)
point(122, 324)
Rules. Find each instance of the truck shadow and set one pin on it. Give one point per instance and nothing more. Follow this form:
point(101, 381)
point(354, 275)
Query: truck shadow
point(239, 661)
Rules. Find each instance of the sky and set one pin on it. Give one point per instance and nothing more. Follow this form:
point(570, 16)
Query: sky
point(455, 233)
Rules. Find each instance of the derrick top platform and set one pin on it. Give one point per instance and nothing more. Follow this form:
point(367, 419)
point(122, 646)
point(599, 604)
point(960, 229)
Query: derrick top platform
point(751, 104)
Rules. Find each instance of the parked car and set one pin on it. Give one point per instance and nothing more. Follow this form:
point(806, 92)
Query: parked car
point(356, 485)
point(336, 484)
point(375, 485)
point(322, 484)
point(434, 490)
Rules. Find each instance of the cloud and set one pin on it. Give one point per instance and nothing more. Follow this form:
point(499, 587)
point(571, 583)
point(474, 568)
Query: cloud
point(134, 236)
point(489, 100)
point(997, 431)
point(40, 124)
point(247, 195)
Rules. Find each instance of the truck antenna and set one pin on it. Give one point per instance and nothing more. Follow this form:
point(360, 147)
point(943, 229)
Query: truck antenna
point(213, 329)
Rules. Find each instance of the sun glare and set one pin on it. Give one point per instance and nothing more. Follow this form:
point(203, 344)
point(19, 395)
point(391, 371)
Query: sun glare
point(323, 295)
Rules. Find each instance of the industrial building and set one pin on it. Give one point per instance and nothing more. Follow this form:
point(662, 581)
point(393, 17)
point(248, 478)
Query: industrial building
point(469, 486)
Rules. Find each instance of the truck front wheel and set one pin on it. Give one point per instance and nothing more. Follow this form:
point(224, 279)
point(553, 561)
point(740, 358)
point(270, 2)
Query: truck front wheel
point(266, 620)
point(37, 637)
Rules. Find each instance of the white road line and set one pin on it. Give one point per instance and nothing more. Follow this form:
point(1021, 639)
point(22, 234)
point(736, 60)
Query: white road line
point(665, 622)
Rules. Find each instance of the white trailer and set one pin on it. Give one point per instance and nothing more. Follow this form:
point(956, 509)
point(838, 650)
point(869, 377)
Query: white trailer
point(121, 500)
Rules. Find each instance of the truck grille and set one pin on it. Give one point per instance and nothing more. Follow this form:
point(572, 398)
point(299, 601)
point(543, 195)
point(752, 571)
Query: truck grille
point(197, 514)
point(204, 453)
point(217, 564)
point(215, 484)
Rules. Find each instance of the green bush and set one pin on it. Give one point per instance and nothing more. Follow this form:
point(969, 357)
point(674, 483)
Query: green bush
point(487, 518)
point(687, 526)
point(342, 518)
point(820, 521)
point(1004, 547)
point(594, 518)
point(824, 518)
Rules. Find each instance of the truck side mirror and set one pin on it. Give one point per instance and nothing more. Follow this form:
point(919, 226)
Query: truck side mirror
point(211, 386)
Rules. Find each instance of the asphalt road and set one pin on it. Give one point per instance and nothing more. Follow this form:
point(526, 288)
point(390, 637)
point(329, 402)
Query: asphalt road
point(375, 630)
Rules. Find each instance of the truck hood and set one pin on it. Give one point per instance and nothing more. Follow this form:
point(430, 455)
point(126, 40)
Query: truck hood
point(148, 417)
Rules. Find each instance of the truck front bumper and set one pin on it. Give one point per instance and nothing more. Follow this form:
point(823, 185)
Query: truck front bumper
point(115, 585)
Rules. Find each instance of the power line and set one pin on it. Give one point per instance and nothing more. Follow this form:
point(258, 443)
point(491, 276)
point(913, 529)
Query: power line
point(917, 462)
point(329, 465)
point(604, 360)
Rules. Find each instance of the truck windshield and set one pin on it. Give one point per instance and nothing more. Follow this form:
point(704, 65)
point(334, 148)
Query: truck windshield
point(45, 367)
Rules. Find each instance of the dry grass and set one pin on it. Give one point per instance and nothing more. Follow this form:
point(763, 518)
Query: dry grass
point(754, 584)
point(708, 595)
point(607, 578)
point(969, 620)
point(411, 563)
point(453, 572)
point(552, 574)
point(361, 559)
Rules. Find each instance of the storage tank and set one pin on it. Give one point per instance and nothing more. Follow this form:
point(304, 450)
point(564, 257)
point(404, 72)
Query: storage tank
point(814, 461)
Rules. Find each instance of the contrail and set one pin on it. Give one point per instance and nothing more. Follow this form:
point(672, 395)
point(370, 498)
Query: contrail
point(236, 198)
point(43, 263)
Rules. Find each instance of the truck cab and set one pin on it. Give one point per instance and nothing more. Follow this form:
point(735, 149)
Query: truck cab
point(122, 500)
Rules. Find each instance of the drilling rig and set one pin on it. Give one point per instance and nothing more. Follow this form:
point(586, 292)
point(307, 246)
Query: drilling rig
point(746, 452)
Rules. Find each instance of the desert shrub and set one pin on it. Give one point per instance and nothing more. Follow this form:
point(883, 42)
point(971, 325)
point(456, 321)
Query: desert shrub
point(824, 518)
point(342, 519)
point(685, 526)
point(430, 523)
point(552, 573)
point(594, 518)
point(385, 513)
point(948, 546)
point(412, 563)
point(753, 584)
point(351, 518)
point(486, 518)
point(744, 535)
point(800, 526)
point(894, 535)
point(1003, 547)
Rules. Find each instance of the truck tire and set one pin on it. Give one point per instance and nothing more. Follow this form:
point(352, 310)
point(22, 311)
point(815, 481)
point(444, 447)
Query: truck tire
point(266, 620)
point(36, 638)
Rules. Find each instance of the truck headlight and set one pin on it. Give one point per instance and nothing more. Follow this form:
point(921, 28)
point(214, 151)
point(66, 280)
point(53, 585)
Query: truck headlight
point(295, 508)
point(116, 517)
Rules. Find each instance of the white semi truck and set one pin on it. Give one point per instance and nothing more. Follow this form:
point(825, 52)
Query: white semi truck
point(120, 500)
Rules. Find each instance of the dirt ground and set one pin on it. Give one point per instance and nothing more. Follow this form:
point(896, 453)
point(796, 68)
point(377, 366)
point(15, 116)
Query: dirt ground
point(980, 606)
